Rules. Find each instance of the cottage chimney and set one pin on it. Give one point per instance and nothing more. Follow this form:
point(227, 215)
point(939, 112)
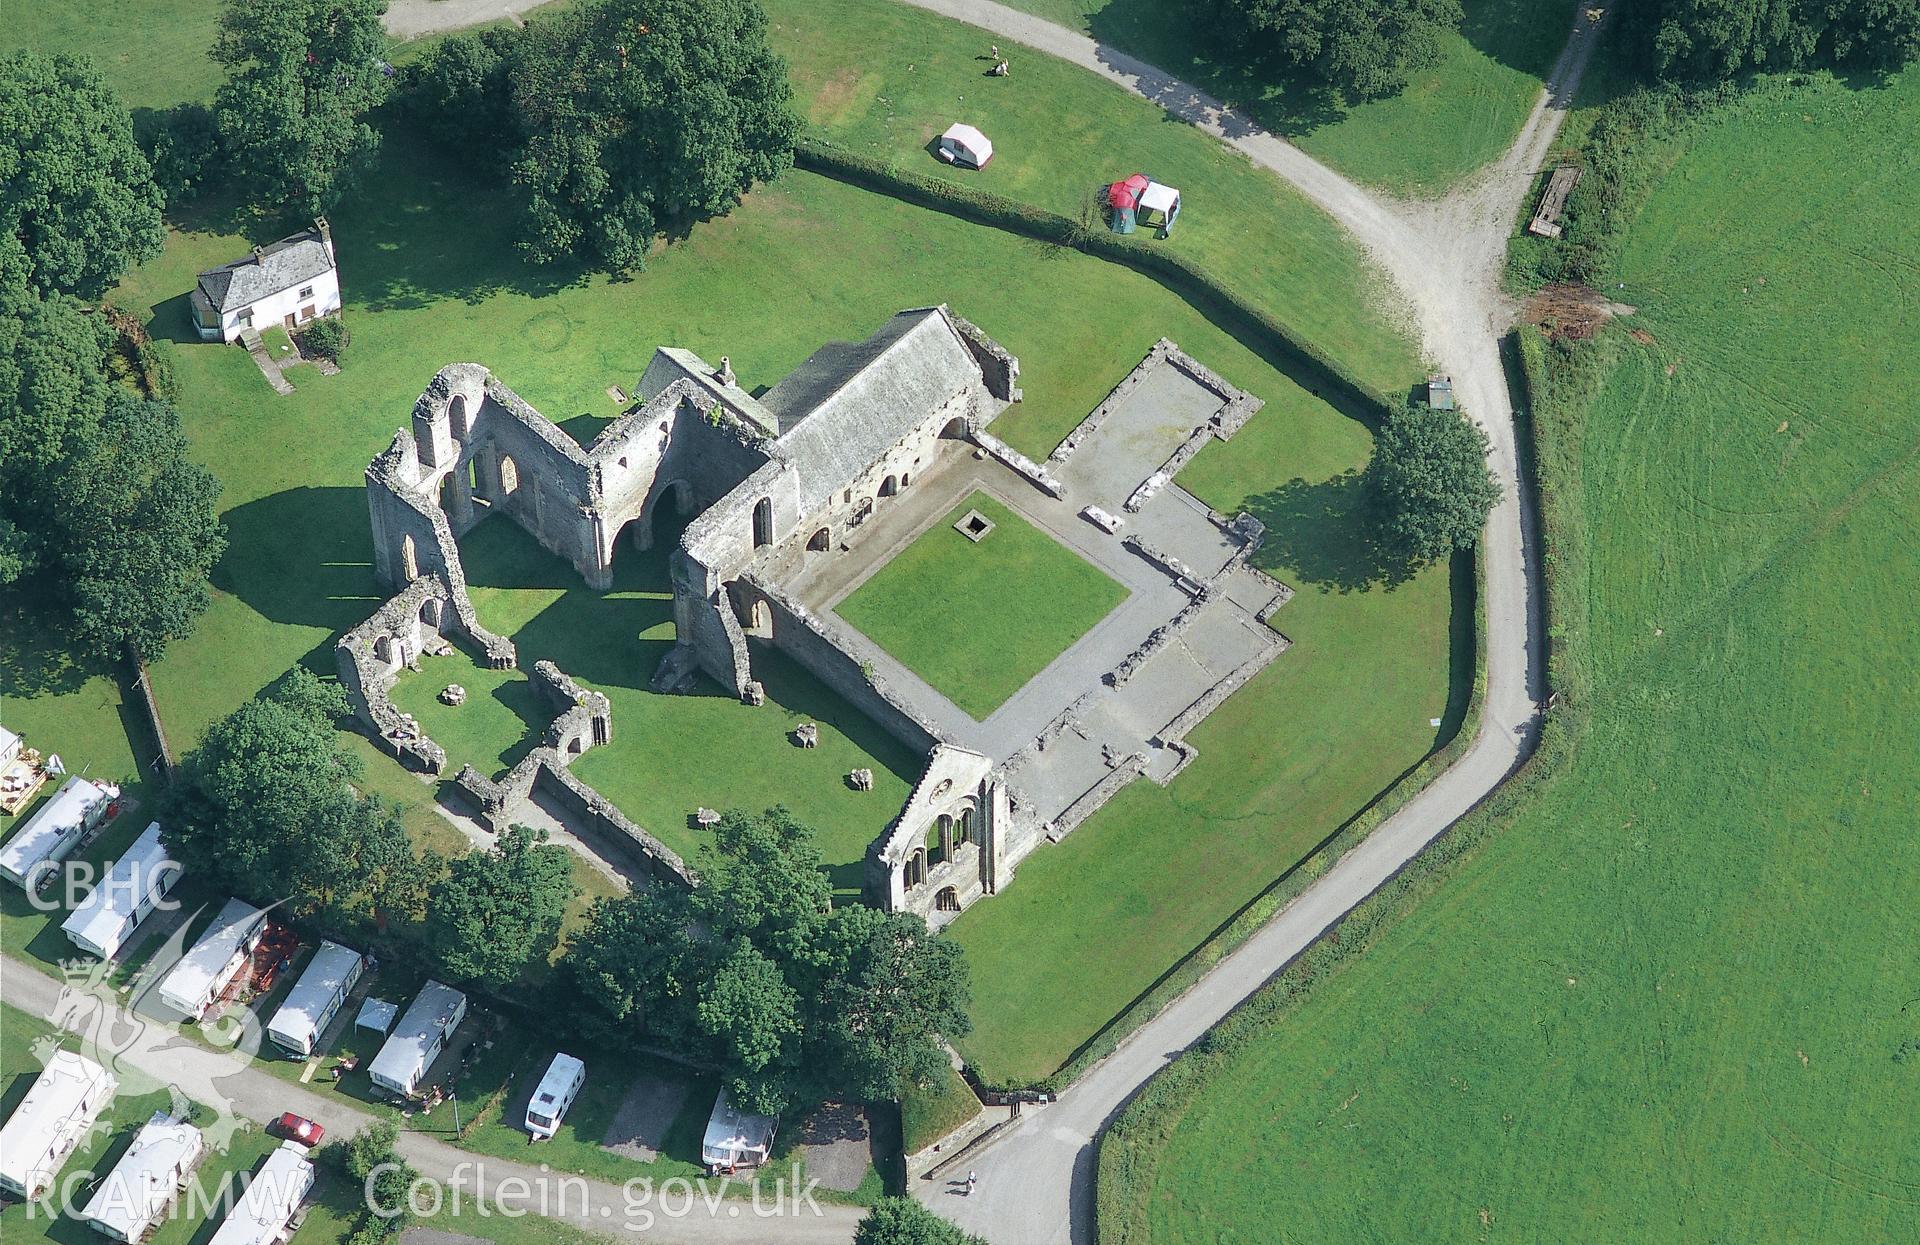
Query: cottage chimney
point(725, 374)
point(259, 254)
point(326, 230)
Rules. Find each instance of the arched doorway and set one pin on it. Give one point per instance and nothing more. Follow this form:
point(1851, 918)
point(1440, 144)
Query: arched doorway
point(889, 486)
point(457, 416)
point(955, 430)
point(820, 541)
point(947, 900)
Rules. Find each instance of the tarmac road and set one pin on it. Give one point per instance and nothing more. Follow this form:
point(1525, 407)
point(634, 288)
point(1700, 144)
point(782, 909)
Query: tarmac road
point(1445, 259)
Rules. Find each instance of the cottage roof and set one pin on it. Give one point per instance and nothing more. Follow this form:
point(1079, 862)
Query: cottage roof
point(281, 266)
point(852, 401)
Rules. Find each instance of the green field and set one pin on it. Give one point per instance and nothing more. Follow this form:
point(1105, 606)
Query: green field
point(1060, 132)
point(1673, 998)
point(1454, 116)
point(430, 277)
point(924, 606)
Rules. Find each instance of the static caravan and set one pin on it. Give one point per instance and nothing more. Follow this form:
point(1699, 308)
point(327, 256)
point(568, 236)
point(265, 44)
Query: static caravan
point(52, 833)
point(736, 1138)
point(59, 1108)
point(133, 887)
point(204, 971)
point(419, 1037)
point(273, 1195)
point(315, 999)
point(555, 1093)
point(142, 1184)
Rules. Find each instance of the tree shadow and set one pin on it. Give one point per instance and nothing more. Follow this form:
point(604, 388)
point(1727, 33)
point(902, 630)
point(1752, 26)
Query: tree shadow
point(425, 226)
point(302, 556)
point(1325, 534)
point(33, 659)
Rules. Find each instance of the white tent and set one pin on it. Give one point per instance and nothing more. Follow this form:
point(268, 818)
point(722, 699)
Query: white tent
point(965, 146)
point(1162, 199)
point(376, 1014)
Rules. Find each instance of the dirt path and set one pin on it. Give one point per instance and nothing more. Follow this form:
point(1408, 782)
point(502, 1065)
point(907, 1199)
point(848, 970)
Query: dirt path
point(1445, 259)
point(409, 19)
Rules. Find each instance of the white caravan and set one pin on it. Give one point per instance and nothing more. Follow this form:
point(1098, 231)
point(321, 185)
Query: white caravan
point(417, 1040)
point(60, 1106)
point(555, 1093)
point(125, 897)
point(315, 999)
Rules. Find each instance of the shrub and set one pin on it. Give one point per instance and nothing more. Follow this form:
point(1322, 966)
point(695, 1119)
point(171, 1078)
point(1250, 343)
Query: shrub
point(326, 337)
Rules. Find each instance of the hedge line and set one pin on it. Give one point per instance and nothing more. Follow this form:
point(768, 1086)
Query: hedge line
point(1131, 1149)
point(1305, 362)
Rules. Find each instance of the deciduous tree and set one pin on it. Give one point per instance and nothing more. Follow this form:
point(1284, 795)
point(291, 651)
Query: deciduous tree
point(1431, 483)
point(1709, 40)
point(497, 912)
point(76, 193)
point(1361, 48)
point(255, 807)
point(639, 116)
point(135, 528)
point(903, 1221)
point(293, 115)
point(891, 991)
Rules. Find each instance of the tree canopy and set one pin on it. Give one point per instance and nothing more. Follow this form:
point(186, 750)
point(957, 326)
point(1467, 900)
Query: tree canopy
point(903, 1221)
point(292, 116)
point(622, 119)
point(264, 808)
point(1710, 40)
point(497, 912)
point(76, 193)
point(1431, 483)
point(1361, 48)
point(756, 971)
point(136, 528)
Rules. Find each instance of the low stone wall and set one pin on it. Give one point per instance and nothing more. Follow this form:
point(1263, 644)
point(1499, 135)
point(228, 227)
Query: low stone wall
point(1115, 396)
point(1173, 567)
point(367, 679)
point(585, 718)
point(1093, 798)
point(1158, 639)
point(1019, 464)
point(1216, 695)
point(826, 651)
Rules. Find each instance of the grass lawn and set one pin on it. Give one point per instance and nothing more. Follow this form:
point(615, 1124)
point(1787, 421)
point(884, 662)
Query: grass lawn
point(1673, 999)
point(669, 754)
point(927, 1115)
point(1454, 116)
point(431, 277)
point(1045, 597)
point(884, 79)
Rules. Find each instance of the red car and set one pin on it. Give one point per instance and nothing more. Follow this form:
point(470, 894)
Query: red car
point(298, 1128)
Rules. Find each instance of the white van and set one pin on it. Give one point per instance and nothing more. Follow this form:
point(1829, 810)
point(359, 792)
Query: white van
point(555, 1093)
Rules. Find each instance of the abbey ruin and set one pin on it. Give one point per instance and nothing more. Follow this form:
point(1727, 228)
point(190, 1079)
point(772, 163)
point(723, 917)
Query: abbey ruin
point(791, 498)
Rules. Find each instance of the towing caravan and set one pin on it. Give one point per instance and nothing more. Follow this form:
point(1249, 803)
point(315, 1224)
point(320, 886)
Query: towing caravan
point(555, 1093)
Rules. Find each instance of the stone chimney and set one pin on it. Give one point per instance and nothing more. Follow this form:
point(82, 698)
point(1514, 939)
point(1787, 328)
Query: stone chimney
point(259, 254)
point(725, 374)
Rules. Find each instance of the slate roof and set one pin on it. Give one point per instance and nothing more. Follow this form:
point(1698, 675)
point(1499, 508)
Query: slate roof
point(852, 401)
point(281, 266)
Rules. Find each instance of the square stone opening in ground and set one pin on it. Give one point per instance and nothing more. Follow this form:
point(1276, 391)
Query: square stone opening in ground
point(980, 602)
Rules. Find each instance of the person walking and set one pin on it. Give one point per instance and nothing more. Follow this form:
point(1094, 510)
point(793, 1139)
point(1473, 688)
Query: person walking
point(973, 1178)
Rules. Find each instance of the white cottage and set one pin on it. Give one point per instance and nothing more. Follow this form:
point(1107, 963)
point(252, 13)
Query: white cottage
point(287, 283)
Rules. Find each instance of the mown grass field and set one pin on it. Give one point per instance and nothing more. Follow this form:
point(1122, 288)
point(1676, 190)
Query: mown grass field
point(925, 606)
point(1454, 116)
point(883, 79)
point(1674, 999)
